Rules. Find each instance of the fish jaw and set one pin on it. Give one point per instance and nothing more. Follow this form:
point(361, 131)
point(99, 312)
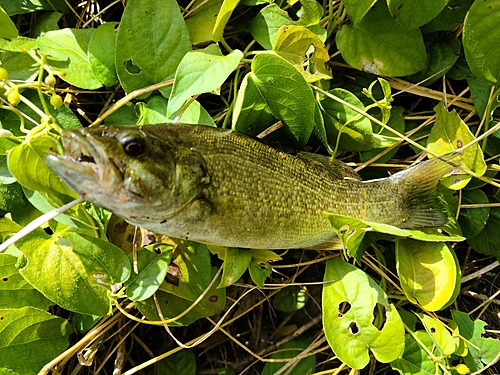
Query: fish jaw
point(84, 167)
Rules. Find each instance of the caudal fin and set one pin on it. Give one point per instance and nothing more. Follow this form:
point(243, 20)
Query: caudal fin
point(424, 205)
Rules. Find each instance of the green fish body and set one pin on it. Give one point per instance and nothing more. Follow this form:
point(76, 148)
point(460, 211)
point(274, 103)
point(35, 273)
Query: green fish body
point(221, 187)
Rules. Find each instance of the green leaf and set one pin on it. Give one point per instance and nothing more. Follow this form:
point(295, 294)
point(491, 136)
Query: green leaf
point(265, 26)
point(15, 292)
point(192, 262)
point(450, 133)
point(7, 27)
point(152, 264)
point(154, 112)
point(290, 298)
point(20, 7)
point(193, 114)
point(290, 350)
point(412, 14)
point(46, 22)
point(152, 40)
point(428, 272)
point(102, 62)
point(450, 17)
point(180, 363)
point(487, 241)
point(344, 126)
point(75, 271)
point(236, 262)
point(351, 331)
point(415, 359)
point(68, 48)
point(378, 44)
point(172, 305)
point(201, 71)
point(20, 66)
point(439, 334)
point(30, 338)
point(285, 92)
point(26, 163)
point(482, 351)
point(201, 23)
point(357, 9)
point(251, 113)
point(294, 44)
point(427, 234)
point(473, 220)
point(222, 17)
point(480, 37)
point(259, 272)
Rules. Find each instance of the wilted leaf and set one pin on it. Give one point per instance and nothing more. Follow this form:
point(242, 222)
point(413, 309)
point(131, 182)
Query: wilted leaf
point(350, 299)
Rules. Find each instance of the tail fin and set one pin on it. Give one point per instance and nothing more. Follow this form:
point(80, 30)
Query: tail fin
point(425, 206)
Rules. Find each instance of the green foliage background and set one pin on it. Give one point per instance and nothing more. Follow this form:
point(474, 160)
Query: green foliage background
point(379, 84)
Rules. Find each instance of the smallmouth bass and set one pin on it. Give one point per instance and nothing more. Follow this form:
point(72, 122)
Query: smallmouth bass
point(220, 187)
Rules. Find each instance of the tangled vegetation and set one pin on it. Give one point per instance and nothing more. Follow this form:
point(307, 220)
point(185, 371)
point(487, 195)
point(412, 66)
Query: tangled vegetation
point(378, 84)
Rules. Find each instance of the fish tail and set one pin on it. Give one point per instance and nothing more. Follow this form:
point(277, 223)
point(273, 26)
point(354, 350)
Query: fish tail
point(424, 205)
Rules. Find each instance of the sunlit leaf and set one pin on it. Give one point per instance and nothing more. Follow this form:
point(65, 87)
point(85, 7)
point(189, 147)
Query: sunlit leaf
point(201, 71)
point(222, 17)
point(236, 262)
point(15, 292)
point(439, 334)
point(7, 28)
point(427, 271)
point(201, 22)
point(102, 62)
point(356, 9)
point(30, 338)
point(152, 264)
point(299, 46)
point(350, 299)
point(68, 48)
point(450, 133)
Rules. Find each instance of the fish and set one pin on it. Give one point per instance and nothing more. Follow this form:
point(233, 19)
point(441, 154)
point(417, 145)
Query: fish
point(220, 187)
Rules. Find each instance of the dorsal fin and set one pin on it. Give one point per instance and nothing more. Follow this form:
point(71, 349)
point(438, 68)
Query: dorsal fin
point(337, 169)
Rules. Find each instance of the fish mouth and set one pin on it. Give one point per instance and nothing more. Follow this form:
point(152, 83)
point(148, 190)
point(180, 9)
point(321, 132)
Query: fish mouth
point(84, 161)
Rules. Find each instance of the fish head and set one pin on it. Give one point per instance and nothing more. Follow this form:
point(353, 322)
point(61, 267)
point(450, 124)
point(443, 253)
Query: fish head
point(130, 171)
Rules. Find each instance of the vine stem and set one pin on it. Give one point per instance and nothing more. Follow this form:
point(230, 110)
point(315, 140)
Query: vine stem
point(37, 223)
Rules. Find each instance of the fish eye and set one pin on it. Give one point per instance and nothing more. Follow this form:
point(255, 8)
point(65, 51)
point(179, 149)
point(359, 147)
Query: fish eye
point(133, 146)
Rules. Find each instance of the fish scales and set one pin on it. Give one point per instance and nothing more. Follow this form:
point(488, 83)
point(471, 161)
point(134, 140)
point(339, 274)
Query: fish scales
point(221, 187)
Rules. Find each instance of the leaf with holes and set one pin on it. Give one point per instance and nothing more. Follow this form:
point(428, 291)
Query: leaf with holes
point(294, 43)
point(439, 333)
point(429, 272)
point(359, 328)
point(152, 266)
point(151, 41)
point(201, 71)
point(450, 133)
